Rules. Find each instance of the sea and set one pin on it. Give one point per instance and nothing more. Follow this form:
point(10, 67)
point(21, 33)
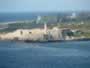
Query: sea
point(9, 17)
point(69, 54)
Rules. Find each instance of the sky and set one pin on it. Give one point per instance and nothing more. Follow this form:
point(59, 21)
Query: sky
point(43, 5)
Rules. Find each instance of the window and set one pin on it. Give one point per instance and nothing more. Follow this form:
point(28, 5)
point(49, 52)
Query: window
point(30, 32)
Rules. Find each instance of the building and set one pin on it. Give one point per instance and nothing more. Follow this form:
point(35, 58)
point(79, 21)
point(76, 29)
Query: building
point(38, 34)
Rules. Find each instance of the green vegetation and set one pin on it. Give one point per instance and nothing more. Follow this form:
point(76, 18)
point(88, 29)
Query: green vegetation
point(82, 24)
point(84, 29)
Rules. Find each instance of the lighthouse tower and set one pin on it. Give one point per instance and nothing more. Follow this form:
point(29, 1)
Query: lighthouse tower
point(45, 28)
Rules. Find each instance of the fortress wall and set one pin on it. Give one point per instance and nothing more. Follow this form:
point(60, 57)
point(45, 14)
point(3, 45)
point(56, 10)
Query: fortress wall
point(34, 34)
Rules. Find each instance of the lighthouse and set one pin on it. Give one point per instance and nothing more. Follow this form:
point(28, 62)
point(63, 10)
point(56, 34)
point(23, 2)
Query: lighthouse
point(45, 28)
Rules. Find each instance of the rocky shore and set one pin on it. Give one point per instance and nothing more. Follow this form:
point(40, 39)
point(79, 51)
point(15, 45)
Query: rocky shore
point(41, 35)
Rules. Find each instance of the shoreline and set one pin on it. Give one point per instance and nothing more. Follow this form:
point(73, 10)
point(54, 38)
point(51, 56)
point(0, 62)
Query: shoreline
point(52, 41)
point(47, 41)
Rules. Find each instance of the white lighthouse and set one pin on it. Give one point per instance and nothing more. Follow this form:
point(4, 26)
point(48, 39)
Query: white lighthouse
point(45, 28)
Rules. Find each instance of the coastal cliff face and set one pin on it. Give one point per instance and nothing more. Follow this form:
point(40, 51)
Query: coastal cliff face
point(37, 34)
point(33, 34)
point(22, 34)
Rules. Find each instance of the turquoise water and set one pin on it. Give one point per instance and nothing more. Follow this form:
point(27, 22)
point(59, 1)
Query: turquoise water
point(45, 55)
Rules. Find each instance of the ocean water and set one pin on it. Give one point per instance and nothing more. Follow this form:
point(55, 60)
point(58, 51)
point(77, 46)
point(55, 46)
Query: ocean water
point(9, 17)
point(75, 54)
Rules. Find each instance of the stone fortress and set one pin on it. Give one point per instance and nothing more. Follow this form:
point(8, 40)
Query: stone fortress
point(38, 34)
